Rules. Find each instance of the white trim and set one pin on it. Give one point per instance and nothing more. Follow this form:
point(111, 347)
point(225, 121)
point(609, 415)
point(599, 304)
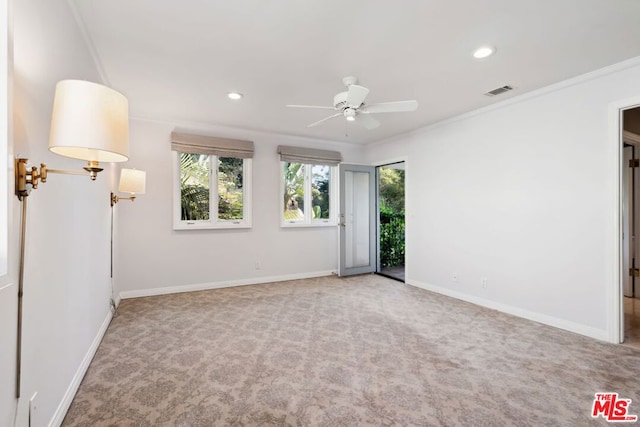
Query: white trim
point(89, 42)
point(567, 325)
point(301, 224)
point(218, 285)
point(407, 238)
point(401, 159)
point(614, 298)
point(615, 328)
point(583, 78)
point(209, 225)
point(65, 403)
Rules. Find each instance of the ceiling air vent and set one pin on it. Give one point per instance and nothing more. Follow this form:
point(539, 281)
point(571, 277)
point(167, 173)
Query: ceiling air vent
point(499, 90)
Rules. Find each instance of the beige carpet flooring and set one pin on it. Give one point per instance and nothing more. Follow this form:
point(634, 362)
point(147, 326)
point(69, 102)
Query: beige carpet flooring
point(356, 351)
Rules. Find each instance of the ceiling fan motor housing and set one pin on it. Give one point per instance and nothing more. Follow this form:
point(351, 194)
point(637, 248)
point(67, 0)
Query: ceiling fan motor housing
point(340, 100)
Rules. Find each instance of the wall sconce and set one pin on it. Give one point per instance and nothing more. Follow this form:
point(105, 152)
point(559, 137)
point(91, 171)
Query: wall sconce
point(89, 122)
point(132, 181)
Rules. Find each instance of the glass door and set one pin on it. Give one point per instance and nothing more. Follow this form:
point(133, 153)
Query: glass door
point(357, 220)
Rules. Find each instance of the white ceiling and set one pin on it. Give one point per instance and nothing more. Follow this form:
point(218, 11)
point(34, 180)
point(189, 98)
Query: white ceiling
point(176, 60)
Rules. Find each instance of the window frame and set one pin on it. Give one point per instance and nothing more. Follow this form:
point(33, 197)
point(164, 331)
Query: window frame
point(308, 220)
point(213, 223)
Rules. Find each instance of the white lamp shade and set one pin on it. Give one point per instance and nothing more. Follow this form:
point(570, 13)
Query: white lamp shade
point(132, 181)
point(89, 122)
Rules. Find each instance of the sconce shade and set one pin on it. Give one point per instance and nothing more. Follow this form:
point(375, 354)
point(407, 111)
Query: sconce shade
point(132, 181)
point(89, 122)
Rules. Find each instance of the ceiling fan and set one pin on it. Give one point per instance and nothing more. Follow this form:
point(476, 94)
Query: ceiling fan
point(350, 104)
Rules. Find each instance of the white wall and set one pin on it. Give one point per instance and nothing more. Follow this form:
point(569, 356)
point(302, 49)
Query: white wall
point(8, 284)
point(66, 284)
point(523, 194)
point(520, 194)
point(151, 255)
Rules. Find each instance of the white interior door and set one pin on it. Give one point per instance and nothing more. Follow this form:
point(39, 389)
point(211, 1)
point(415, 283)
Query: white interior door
point(357, 220)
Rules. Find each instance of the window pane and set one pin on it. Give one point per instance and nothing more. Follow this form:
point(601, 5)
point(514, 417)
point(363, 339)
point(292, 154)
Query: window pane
point(294, 191)
point(230, 190)
point(356, 187)
point(194, 186)
point(320, 180)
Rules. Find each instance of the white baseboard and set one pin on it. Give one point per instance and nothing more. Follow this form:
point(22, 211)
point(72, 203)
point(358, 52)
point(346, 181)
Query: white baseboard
point(65, 403)
point(217, 285)
point(567, 325)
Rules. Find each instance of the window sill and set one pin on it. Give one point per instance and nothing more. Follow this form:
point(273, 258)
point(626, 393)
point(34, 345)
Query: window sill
point(294, 224)
point(210, 226)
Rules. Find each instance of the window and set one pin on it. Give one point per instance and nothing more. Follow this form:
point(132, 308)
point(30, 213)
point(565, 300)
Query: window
point(307, 184)
point(212, 191)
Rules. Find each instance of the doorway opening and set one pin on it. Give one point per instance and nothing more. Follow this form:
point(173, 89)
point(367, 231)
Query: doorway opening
point(630, 208)
point(391, 220)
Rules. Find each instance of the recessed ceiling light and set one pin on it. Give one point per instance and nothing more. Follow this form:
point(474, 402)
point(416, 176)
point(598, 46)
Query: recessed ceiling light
point(484, 51)
point(235, 95)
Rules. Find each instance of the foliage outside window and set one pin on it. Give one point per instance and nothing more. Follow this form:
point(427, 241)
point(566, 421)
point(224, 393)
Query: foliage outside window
point(213, 191)
point(307, 195)
point(392, 228)
point(392, 246)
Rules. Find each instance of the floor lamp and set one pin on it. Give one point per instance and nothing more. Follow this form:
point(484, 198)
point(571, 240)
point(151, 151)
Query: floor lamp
point(89, 122)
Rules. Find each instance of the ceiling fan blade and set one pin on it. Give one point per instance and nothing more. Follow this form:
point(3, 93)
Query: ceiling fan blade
point(368, 121)
point(310, 106)
point(392, 107)
point(324, 120)
point(356, 95)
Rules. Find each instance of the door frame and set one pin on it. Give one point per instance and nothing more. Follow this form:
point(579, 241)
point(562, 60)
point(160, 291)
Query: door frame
point(377, 164)
point(378, 268)
point(615, 294)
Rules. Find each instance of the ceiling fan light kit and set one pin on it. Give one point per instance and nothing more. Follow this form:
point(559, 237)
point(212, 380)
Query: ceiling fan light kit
point(350, 114)
point(350, 104)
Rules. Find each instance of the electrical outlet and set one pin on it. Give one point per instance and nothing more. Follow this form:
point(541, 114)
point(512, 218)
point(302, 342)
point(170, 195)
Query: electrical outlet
point(483, 282)
point(257, 265)
point(454, 277)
